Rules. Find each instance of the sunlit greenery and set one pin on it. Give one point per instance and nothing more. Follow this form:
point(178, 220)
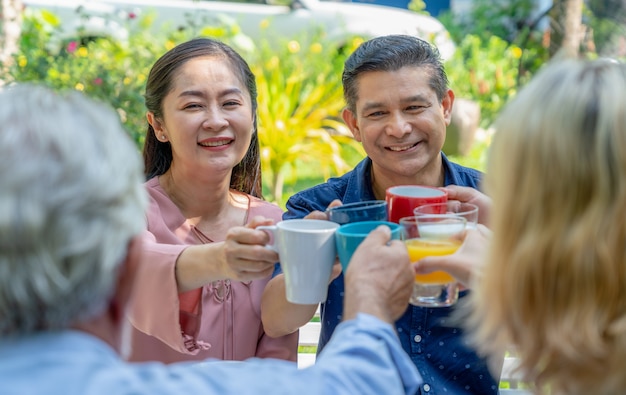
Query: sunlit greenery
point(303, 138)
point(300, 101)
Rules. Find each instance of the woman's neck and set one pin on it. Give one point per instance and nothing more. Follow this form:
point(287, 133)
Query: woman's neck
point(197, 197)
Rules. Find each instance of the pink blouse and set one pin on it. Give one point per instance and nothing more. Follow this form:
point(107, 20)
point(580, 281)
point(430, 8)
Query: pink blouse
point(220, 320)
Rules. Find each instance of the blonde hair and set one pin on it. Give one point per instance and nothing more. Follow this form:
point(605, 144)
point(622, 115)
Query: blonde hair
point(554, 287)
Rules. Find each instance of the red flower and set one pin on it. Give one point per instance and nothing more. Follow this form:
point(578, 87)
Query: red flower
point(97, 81)
point(72, 47)
point(132, 15)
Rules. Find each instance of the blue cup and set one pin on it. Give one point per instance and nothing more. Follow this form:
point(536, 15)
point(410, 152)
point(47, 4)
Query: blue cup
point(369, 210)
point(349, 236)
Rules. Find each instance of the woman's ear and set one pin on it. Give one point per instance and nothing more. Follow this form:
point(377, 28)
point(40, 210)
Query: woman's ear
point(157, 127)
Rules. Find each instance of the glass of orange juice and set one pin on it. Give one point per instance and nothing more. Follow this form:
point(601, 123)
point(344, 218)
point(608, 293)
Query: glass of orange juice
point(433, 235)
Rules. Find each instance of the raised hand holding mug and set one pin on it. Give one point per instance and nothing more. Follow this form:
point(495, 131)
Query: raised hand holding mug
point(306, 249)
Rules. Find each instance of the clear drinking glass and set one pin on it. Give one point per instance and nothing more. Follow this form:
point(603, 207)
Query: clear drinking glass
point(466, 210)
point(433, 235)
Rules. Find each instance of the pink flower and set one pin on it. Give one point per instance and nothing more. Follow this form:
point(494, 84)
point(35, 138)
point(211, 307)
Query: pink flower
point(97, 81)
point(72, 46)
point(132, 15)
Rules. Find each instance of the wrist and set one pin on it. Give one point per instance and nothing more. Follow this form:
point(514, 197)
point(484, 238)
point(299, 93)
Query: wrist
point(370, 304)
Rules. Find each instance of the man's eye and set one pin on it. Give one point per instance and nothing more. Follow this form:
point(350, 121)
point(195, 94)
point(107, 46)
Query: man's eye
point(415, 108)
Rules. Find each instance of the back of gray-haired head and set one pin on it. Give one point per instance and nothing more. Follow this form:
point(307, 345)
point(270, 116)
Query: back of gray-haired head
point(391, 53)
point(71, 199)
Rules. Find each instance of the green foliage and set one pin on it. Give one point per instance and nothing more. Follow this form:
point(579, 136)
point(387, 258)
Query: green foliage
point(477, 157)
point(607, 22)
point(113, 71)
point(485, 71)
point(500, 47)
point(487, 18)
point(418, 6)
point(300, 101)
point(299, 84)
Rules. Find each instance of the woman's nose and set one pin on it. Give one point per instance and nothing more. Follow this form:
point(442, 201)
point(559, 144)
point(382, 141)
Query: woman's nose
point(214, 119)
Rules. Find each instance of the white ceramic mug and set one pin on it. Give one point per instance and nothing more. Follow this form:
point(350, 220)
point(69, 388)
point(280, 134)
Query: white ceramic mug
point(307, 252)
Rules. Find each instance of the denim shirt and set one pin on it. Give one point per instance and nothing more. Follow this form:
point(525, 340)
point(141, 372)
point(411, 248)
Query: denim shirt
point(439, 350)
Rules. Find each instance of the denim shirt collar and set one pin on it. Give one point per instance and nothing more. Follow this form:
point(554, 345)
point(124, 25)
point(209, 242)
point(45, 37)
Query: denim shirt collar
point(359, 186)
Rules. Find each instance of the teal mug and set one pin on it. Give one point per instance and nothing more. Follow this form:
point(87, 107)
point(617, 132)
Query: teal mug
point(349, 236)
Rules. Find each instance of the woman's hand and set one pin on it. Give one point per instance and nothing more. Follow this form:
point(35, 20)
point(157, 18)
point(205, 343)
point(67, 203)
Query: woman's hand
point(466, 262)
point(246, 256)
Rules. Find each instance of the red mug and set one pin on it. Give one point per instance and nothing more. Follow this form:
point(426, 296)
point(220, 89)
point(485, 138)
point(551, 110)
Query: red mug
point(403, 199)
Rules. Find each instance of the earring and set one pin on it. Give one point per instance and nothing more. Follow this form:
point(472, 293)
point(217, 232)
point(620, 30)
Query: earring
point(162, 137)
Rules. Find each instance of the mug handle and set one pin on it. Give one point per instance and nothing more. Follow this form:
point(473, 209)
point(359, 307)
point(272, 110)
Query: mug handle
point(271, 231)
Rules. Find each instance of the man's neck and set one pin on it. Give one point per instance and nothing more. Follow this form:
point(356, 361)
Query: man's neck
point(104, 328)
point(429, 177)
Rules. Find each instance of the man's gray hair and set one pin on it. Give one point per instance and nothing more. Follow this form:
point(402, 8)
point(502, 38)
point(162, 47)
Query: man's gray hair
point(71, 200)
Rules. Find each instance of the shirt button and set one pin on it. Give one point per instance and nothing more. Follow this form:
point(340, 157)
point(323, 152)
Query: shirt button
point(426, 387)
point(417, 338)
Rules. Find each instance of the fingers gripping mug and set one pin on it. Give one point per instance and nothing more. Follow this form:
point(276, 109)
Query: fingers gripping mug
point(306, 248)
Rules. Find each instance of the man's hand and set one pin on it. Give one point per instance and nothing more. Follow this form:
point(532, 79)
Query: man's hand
point(322, 214)
point(379, 278)
point(473, 196)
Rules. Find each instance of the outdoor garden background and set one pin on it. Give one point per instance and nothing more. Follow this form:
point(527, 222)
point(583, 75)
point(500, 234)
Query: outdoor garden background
point(303, 139)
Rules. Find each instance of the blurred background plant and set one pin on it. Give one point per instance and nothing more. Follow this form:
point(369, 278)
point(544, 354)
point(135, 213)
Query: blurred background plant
point(485, 70)
point(300, 102)
point(299, 84)
point(113, 71)
point(500, 45)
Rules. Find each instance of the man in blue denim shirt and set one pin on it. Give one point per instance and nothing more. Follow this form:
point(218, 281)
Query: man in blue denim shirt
point(398, 107)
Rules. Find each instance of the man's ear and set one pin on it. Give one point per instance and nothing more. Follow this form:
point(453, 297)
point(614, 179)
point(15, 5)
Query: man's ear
point(350, 120)
point(126, 278)
point(446, 104)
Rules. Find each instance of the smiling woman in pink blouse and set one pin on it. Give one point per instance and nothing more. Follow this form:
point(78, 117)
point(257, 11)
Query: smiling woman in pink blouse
point(204, 266)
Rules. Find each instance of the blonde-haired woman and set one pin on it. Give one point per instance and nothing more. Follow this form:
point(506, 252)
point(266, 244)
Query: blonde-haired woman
point(554, 282)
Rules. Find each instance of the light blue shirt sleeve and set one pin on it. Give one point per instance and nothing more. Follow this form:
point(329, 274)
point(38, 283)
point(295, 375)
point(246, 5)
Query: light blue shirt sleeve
point(374, 361)
point(364, 357)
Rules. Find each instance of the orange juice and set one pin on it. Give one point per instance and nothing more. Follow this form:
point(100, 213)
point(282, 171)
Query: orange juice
point(420, 248)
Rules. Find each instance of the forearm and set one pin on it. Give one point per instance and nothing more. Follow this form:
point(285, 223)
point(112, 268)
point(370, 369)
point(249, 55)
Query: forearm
point(279, 316)
point(377, 363)
point(363, 357)
point(360, 301)
point(199, 265)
